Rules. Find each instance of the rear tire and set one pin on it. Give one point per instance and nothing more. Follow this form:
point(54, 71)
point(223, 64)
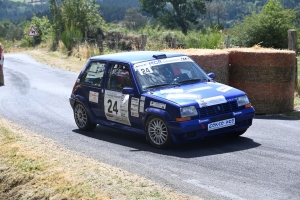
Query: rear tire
point(157, 132)
point(82, 119)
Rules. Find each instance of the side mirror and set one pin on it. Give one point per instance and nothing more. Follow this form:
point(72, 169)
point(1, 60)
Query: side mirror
point(211, 75)
point(127, 90)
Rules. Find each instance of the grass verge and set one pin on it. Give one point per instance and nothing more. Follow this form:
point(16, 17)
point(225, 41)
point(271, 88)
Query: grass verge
point(33, 167)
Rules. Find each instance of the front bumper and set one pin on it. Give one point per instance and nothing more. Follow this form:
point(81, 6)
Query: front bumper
point(198, 128)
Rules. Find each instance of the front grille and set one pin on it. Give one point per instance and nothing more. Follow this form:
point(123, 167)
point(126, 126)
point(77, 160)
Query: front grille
point(218, 109)
point(219, 118)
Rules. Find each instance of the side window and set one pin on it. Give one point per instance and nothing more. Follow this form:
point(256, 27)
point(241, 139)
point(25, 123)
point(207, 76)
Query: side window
point(118, 77)
point(93, 74)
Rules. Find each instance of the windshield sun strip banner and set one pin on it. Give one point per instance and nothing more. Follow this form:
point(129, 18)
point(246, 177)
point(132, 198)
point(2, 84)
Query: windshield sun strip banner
point(145, 67)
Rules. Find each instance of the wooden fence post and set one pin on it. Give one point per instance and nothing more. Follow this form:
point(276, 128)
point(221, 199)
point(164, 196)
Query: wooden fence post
point(116, 42)
point(144, 42)
point(100, 43)
point(228, 42)
point(85, 35)
point(292, 45)
point(58, 35)
point(174, 45)
point(71, 43)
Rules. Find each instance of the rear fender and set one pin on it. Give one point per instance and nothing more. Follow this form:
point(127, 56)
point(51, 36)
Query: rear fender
point(80, 99)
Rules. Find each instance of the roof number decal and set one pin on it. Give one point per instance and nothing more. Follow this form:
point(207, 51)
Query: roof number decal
point(145, 67)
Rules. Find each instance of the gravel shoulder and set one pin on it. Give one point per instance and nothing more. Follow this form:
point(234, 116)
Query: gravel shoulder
point(34, 167)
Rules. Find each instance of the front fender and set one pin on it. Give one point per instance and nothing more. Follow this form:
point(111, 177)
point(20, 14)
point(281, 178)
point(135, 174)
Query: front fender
point(156, 111)
point(159, 112)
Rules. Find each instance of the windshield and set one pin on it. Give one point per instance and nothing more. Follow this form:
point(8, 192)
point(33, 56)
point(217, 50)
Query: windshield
point(160, 73)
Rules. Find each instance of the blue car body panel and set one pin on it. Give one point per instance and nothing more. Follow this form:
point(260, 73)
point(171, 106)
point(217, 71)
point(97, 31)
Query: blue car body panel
point(214, 102)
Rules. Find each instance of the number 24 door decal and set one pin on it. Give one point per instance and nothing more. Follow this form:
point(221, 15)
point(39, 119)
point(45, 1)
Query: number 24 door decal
point(116, 107)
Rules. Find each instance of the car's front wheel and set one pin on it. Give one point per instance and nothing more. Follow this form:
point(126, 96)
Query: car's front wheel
point(82, 119)
point(157, 132)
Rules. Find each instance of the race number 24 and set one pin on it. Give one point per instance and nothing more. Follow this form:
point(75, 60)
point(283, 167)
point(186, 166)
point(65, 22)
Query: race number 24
point(113, 106)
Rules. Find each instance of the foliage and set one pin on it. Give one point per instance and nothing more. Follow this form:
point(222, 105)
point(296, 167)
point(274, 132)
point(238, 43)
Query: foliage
point(230, 12)
point(211, 39)
point(218, 11)
point(134, 19)
point(172, 14)
point(42, 26)
point(267, 28)
point(115, 10)
point(81, 15)
point(10, 31)
point(16, 11)
point(69, 36)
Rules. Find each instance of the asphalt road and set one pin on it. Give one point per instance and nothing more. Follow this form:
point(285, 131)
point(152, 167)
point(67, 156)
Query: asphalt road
point(262, 164)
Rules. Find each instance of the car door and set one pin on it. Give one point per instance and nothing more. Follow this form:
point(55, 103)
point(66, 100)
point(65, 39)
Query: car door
point(119, 107)
point(92, 87)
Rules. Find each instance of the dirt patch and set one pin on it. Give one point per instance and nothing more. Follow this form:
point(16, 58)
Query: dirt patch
point(34, 167)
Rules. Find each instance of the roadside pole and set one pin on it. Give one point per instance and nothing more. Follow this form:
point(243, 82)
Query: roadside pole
point(33, 33)
point(292, 45)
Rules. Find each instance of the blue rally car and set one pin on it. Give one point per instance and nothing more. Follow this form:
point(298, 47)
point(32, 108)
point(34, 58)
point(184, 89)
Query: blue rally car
point(165, 96)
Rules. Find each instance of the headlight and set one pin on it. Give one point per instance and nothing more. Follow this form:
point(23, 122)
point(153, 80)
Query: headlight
point(188, 111)
point(243, 100)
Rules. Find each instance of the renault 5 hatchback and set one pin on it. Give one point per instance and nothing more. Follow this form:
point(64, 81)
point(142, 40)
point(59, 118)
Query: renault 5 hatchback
point(166, 96)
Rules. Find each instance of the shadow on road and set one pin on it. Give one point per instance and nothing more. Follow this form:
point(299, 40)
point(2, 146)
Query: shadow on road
point(292, 116)
point(201, 148)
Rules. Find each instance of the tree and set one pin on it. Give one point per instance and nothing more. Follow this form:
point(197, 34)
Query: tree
point(134, 19)
point(174, 13)
point(268, 27)
point(78, 14)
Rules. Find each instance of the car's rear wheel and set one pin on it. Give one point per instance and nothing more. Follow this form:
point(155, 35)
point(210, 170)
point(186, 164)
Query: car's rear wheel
point(157, 132)
point(82, 119)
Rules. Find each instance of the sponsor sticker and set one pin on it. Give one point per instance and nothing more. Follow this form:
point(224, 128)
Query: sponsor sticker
point(143, 98)
point(147, 65)
point(224, 88)
point(142, 106)
point(93, 97)
point(211, 101)
point(171, 91)
point(157, 105)
point(237, 113)
point(134, 107)
point(183, 96)
point(203, 121)
point(200, 88)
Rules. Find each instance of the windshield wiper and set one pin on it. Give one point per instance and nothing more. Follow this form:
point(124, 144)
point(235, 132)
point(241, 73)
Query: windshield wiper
point(160, 85)
point(191, 80)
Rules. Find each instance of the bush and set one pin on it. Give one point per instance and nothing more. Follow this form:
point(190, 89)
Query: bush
point(267, 28)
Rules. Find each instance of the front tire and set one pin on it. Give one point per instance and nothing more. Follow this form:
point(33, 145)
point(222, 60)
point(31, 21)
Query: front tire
point(82, 119)
point(157, 132)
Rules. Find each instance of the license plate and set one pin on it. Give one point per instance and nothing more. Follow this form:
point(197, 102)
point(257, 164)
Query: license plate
point(221, 124)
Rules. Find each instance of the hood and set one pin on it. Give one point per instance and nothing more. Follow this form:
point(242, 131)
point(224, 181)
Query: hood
point(200, 92)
